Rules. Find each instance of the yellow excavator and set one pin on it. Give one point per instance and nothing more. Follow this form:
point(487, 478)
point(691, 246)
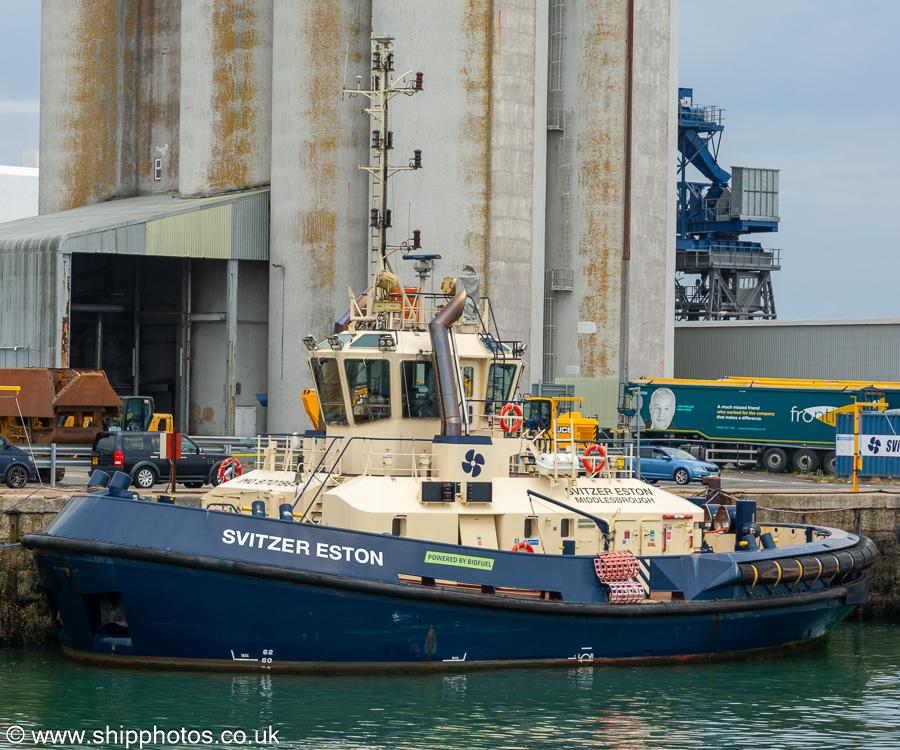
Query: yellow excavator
point(546, 415)
point(138, 414)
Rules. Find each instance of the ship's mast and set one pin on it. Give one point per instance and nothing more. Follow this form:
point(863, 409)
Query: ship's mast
point(383, 278)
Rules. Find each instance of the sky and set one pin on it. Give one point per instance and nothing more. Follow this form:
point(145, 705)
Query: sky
point(20, 74)
point(808, 87)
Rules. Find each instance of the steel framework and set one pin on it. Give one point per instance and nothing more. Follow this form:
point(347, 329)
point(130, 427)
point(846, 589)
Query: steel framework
point(720, 275)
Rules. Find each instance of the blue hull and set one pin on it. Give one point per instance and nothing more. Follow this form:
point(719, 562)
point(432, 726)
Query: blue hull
point(138, 582)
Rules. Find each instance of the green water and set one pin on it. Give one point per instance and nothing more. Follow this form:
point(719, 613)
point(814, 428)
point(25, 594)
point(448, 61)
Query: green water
point(844, 696)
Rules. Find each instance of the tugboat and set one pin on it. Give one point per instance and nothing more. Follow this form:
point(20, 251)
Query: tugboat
point(431, 521)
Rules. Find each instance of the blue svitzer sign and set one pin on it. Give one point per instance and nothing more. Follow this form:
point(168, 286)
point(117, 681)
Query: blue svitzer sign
point(869, 445)
point(878, 441)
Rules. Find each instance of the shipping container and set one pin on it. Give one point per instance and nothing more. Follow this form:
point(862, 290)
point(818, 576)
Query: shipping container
point(879, 444)
point(754, 194)
point(778, 423)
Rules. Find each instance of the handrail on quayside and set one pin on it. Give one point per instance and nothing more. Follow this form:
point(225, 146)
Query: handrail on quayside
point(601, 524)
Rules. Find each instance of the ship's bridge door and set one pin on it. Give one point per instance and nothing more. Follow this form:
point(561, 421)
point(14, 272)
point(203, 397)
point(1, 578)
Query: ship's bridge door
point(501, 380)
point(418, 390)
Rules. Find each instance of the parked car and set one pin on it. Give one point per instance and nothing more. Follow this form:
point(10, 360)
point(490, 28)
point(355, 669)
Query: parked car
point(16, 466)
point(673, 463)
point(137, 454)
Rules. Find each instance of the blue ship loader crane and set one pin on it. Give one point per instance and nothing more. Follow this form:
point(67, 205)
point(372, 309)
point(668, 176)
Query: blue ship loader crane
point(721, 276)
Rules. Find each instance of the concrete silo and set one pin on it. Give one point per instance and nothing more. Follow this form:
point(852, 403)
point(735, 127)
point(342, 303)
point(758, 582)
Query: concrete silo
point(226, 95)
point(610, 244)
point(474, 198)
point(319, 228)
point(109, 99)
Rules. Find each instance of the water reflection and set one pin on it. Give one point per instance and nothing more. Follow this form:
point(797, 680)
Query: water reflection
point(844, 696)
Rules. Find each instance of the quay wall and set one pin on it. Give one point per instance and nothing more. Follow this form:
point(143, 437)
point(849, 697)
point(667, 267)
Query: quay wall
point(24, 619)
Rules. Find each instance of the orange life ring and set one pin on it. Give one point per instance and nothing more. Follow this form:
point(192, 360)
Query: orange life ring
point(229, 469)
point(507, 423)
point(594, 449)
point(523, 545)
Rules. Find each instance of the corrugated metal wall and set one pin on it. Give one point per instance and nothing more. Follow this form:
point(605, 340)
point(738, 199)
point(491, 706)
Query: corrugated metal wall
point(195, 234)
point(237, 228)
point(250, 226)
point(829, 350)
point(128, 240)
point(31, 311)
point(601, 398)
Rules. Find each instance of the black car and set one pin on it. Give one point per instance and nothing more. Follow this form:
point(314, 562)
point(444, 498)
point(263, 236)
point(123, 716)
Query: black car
point(137, 454)
point(16, 466)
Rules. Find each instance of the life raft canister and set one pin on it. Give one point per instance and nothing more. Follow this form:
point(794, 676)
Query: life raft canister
point(229, 469)
point(523, 545)
point(510, 423)
point(594, 450)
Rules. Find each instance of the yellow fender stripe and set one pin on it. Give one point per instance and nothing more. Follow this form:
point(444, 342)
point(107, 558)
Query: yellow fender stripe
point(799, 575)
point(780, 573)
point(838, 571)
point(817, 574)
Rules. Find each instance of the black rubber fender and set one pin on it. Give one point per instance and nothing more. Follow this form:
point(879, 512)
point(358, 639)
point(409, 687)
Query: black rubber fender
point(826, 566)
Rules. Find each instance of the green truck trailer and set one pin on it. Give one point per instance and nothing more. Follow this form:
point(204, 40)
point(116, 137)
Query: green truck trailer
point(776, 423)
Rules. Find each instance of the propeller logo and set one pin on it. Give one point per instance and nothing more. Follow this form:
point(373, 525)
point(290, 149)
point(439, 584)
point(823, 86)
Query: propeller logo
point(874, 445)
point(473, 463)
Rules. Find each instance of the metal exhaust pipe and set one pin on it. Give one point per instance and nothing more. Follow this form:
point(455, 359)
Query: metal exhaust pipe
point(445, 367)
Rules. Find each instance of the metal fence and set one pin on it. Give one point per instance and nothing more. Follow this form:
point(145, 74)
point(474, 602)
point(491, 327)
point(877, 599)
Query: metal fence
point(54, 457)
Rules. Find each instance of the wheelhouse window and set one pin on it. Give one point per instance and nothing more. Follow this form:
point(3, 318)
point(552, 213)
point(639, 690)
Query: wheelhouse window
point(420, 399)
point(500, 385)
point(370, 389)
point(327, 375)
